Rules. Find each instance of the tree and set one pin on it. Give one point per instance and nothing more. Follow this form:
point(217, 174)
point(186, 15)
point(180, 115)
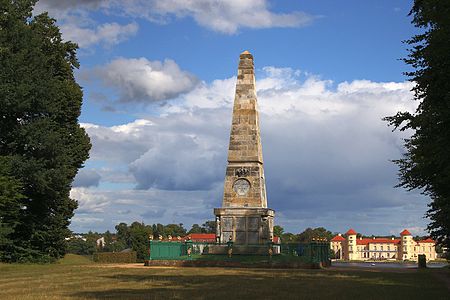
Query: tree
point(288, 237)
point(10, 197)
point(139, 234)
point(174, 230)
point(196, 229)
point(40, 136)
point(209, 227)
point(81, 247)
point(278, 230)
point(309, 234)
point(426, 164)
point(158, 229)
point(123, 234)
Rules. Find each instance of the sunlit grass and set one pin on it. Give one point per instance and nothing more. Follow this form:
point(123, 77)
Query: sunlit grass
point(78, 277)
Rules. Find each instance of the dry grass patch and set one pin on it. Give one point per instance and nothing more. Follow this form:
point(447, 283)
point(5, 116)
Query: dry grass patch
point(82, 279)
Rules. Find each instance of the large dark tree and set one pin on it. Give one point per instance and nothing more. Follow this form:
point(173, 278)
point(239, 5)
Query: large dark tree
point(426, 164)
point(40, 137)
point(10, 198)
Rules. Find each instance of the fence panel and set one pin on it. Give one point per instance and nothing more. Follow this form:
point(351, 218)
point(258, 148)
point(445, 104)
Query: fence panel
point(166, 250)
point(314, 252)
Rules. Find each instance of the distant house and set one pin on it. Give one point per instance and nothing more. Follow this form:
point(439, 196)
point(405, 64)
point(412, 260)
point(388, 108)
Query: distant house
point(403, 248)
point(76, 236)
point(100, 242)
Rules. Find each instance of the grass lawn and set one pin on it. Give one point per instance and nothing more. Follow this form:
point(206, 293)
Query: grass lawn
point(77, 277)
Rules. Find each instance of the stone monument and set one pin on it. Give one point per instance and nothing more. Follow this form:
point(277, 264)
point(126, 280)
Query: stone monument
point(244, 217)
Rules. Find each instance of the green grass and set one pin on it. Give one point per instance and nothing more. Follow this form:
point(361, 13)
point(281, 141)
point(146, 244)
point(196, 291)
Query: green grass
point(79, 278)
point(73, 259)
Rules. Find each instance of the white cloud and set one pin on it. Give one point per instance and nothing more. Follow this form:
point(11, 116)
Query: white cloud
point(222, 16)
point(107, 33)
point(86, 178)
point(149, 206)
point(119, 144)
point(76, 24)
point(63, 5)
point(89, 202)
point(327, 153)
point(141, 80)
point(225, 16)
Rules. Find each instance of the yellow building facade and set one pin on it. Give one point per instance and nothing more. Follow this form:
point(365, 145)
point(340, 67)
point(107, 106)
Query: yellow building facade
point(351, 247)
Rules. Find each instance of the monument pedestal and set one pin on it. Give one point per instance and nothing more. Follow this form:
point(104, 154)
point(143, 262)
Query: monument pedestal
point(244, 226)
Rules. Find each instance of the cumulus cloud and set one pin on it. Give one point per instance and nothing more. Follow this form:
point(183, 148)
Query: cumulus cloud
point(107, 33)
point(144, 81)
point(86, 178)
point(89, 202)
point(63, 5)
point(164, 153)
point(222, 16)
point(327, 153)
point(77, 25)
point(180, 162)
point(127, 205)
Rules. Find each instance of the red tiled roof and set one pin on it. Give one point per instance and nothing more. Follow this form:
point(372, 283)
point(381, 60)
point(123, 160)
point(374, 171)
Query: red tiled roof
point(377, 241)
point(350, 232)
point(405, 232)
point(276, 239)
point(428, 240)
point(201, 237)
point(337, 238)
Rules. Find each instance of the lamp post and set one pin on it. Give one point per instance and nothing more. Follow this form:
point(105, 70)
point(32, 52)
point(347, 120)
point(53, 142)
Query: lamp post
point(150, 240)
point(189, 247)
point(230, 247)
point(270, 250)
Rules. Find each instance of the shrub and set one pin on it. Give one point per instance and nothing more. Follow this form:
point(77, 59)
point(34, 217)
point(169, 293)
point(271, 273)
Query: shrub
point(115, 257)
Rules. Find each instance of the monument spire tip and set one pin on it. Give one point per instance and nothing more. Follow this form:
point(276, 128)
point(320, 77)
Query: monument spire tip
point(246, 52)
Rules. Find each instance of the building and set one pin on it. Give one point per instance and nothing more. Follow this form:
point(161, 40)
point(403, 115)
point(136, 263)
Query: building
point(352, 247)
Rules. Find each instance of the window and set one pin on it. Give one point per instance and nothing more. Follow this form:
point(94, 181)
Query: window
point(381, 248)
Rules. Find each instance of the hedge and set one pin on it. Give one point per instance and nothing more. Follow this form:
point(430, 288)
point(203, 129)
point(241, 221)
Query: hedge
point(115, 257)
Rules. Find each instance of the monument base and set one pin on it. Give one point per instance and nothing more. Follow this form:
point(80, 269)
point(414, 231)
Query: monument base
point(244, 226)
point(239, 249)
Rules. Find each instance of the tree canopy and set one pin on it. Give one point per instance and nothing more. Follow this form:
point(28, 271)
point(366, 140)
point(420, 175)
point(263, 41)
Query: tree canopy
point(425, 165)
point(41, 140)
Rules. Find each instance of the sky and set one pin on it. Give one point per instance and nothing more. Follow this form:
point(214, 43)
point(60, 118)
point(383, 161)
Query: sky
point(158, 78)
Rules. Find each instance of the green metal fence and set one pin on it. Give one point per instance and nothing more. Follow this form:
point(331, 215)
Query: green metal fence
point(314, 252)
point(167, 250)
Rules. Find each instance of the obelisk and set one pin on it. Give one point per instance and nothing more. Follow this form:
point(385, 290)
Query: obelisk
point(244, 217)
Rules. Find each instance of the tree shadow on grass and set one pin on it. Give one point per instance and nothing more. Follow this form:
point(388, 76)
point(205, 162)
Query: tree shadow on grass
point(265, 284)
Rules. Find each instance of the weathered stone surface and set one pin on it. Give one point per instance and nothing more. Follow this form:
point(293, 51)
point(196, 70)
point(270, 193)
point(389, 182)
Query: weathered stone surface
point(244, 225)
point(244, 198)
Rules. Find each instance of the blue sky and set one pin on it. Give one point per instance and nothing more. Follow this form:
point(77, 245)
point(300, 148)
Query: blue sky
point(158, 80)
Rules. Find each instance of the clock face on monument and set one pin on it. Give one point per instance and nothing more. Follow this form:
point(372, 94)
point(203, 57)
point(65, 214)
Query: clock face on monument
point(241, 187)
